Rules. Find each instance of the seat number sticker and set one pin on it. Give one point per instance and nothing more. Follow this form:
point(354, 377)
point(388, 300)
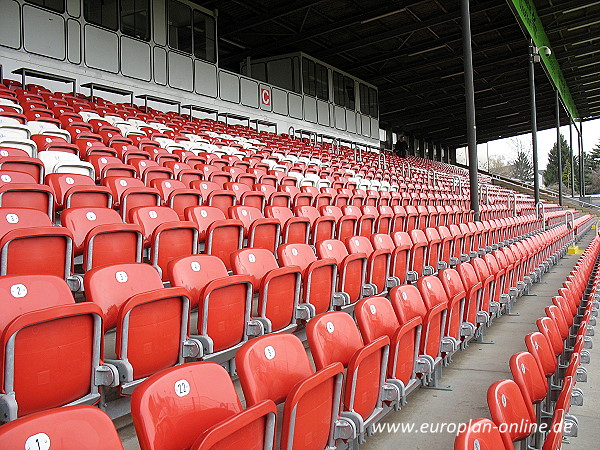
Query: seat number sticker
point(269, 352)
point(40, 441)
point(195, 266)
point(121, 277)
point(18, 290)
point(182, 388)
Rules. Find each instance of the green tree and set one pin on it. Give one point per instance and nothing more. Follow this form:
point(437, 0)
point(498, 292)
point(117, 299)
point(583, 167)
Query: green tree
point(522, 167)
point(595, 156)
point(551, 175)
point(567, 175)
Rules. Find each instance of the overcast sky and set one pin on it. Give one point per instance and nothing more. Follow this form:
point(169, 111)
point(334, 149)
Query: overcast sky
point(546, 140)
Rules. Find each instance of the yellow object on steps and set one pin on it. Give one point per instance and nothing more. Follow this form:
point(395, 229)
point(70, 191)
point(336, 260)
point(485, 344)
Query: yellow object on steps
point(574, 250)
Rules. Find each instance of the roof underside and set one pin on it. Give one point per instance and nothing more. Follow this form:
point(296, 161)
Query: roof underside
point(412, 51)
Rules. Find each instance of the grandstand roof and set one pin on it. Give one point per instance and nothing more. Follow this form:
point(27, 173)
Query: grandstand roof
point(412, 51)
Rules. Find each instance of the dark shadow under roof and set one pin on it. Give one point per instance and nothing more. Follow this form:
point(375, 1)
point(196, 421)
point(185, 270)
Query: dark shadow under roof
point(412, 51)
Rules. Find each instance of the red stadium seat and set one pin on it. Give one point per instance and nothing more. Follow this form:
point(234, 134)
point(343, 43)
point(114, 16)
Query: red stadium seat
point(196, 406)
point(151, 322)
point(101, 237)
point(276, 367)
point(165, 235)
point(224, 304)
point(278, 288)
point(50, 346)
point(68, 427)
point(333, 337)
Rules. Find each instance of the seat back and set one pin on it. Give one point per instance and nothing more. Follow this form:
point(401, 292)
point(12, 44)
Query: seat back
point(510, 410)
point(224, 302)
point(33, 292)
point(276, 367)
point(49, 355)
point(70, 427)
point(456, 295)
point(474, 298)
point(418, 252)
point(270, 366)
point(171, 409)
point(151, 217)
point(254, 262)
point(221, 237)
point(31, 245)
point(548, 328)
point(481, 434)
point(334, 337)
point(332, 248)
point(110, 287)
point(301, 255)
point(378, 265)
point(539, 346)
point(527, 375)
point(81, 220)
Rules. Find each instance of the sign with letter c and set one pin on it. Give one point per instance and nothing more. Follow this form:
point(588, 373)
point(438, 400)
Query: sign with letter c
point(265, 96)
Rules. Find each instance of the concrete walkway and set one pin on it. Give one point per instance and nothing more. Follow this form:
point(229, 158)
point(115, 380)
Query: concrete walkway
point(475, 369)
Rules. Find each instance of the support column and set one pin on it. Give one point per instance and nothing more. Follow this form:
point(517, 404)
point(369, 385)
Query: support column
point(536, 181)
point(470, 99)
point(558, 149)
point(581, 164)
point(571, 154)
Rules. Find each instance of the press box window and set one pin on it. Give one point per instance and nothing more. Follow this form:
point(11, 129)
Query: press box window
point(102, 12)
point(373, 107)
point(368, 101)
point(343, 90)
point(54, 5)
point(204, 37)
point(315, 78)
point(135, 18)
point(180, 26)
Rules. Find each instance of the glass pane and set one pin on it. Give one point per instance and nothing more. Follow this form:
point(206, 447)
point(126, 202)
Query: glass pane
point(373, 102)
point(322, 82)
point(54, 5)
point(135, 18)
point(350, 101)
point(338, 89)
point(180, 26)
point(102, 12)
point(364, 99)
point(204, 37)
point(309, 76)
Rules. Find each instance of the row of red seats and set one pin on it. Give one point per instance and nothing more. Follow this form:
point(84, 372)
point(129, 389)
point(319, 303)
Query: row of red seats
point(101, 237)
point(121, 295)
point(275, 369)
point(543, 390)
